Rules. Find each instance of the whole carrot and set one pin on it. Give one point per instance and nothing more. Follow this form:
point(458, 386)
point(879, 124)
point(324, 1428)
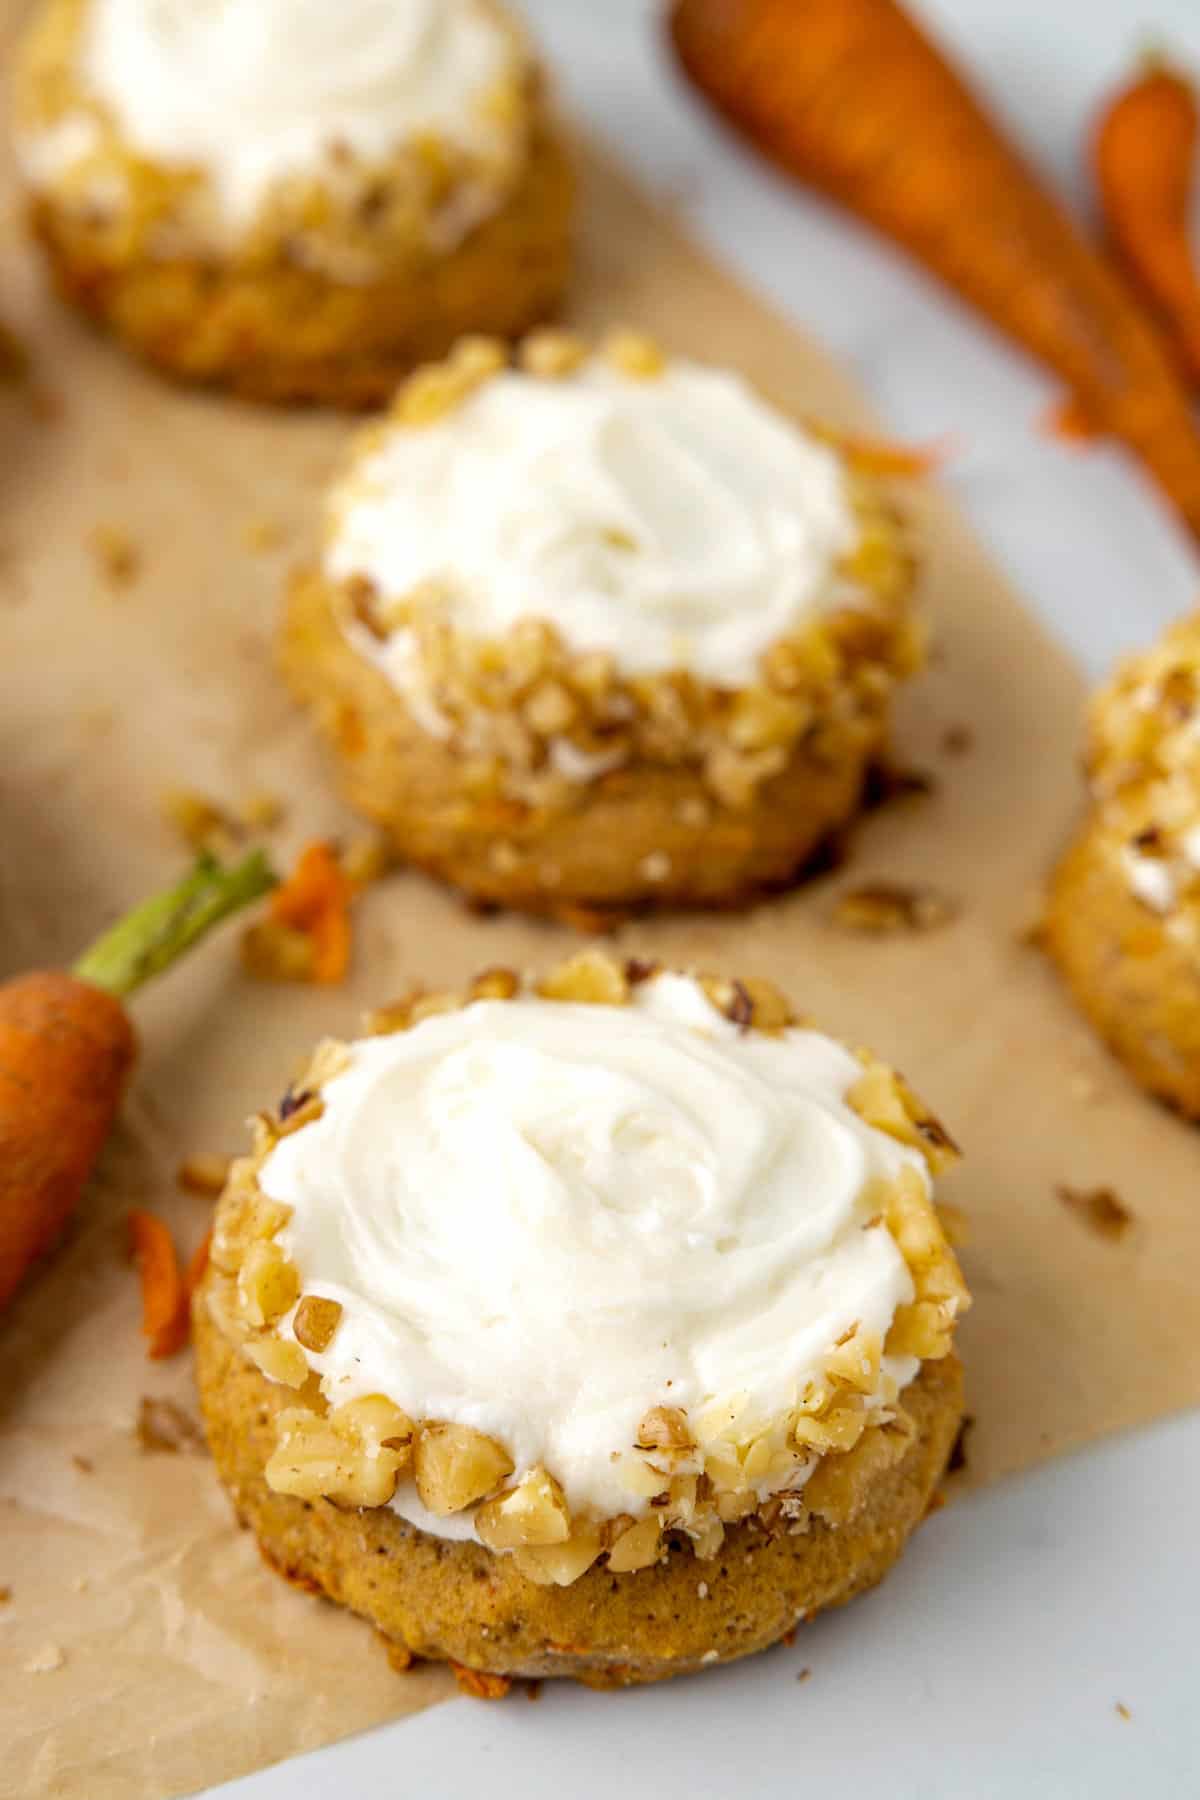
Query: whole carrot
point(67, 1046)
point(1143, 158)
point(852, 98)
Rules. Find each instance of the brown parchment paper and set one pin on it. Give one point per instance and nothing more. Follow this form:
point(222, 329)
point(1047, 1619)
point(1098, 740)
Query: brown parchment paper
point(144, 1650)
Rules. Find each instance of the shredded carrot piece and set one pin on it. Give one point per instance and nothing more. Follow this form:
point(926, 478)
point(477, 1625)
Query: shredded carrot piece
point(315, 899)
point(1070, 421)
point(193, 1275)
point(883, 456)
point(164, 1296)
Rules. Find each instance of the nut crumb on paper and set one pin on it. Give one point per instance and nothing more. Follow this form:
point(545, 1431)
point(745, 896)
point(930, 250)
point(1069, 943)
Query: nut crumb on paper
point(201, 822)
point(1122, 1710)
point(958, 1451)
point(886, 908)
point(117, 555)
point(162, 1425)
point(204, 1174)
point(957, 740)
point(1100, 1209)
point(84, 1464)
point(804, 1675)
point(5, 1596)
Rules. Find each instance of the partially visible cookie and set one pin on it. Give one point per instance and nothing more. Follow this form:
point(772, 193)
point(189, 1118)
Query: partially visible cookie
point(294, 200)
point(602, 631)
point(1123, 918)
point(600, 1325)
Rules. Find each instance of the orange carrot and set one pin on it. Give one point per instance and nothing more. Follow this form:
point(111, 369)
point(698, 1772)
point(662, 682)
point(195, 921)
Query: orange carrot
point(66, 1050)
point(193, 1275)
point(1143, 157)
point(164, 1296)
point(852, 98)
point(883, 456)
point(315, 899)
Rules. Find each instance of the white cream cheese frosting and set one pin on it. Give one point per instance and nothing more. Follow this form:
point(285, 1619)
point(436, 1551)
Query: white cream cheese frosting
point(677, 522)
point(542, 1218)
point(256, 92)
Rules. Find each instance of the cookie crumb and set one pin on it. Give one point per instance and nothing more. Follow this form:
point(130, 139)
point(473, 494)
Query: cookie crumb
point(261, 811)
point(203, 1174)
point(957, 740)
point(5, 1596)
point(958, 1453)
point(45, 1661)
point(887, 782)
point(479, 1684)
point(203, 824)
point(161, 1425)
point(14, 357)
point(1100, 1209)
point(84, 1464)
point(117, 555)
point(399, 1658)
point(885, 908)
point(263, 534)
point(804, 1675)
point(1122, 1710)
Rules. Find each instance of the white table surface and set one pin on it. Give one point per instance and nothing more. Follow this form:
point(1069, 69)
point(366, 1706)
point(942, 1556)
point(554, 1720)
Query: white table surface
point(991, 1663)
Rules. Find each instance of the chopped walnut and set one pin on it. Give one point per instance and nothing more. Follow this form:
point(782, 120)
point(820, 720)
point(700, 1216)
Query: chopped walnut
point(1100, 1209)
point(456, 1465)
point(883, 908)
point(592, 978)
point(315, 1322)
point(551, 354)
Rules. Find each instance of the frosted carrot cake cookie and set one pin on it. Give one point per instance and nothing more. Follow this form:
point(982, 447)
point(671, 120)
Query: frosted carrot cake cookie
point(601, 629)
point(1123, 921)
point(599, 1326)
point(295, 199)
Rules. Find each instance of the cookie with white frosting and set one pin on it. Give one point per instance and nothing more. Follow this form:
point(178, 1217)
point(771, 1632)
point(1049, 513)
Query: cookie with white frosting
point(601, 629)
point(297, 200)
point(598, 1325)
point(1123, 919)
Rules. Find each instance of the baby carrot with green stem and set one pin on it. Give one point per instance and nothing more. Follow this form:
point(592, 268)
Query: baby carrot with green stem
point(852, 98)
point(67, 1046)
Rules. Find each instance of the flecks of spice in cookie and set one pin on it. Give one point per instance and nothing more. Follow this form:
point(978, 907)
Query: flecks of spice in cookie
point(1100, 1209)
point(116, 554)
point(163, 1426)
point(958, 1452)
point(886, 908)
point(958, 740)
point(886, 782)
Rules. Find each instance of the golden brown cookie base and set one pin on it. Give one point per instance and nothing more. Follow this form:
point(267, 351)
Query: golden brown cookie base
point(589, 862)
point(1139, 986)
point(288, 334)
point(458, 1602)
